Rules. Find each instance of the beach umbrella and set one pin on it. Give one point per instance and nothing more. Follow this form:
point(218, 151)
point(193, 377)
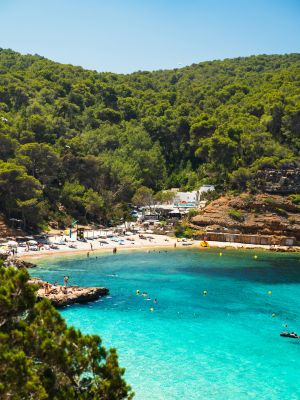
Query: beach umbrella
point(12, 243)
point(32, 242)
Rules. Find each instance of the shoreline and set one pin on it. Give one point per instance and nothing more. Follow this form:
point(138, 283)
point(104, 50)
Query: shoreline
point(152, 247)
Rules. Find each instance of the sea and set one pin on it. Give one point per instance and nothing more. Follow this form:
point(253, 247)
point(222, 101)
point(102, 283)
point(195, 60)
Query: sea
point(193, 323)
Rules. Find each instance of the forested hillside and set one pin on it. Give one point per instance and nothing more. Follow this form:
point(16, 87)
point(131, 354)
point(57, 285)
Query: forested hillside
point(78, 144)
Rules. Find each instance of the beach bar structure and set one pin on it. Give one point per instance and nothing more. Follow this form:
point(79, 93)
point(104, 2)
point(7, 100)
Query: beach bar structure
point(191, 199)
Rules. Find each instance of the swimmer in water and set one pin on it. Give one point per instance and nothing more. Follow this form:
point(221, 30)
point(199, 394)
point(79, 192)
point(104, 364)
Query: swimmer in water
point(155, 301)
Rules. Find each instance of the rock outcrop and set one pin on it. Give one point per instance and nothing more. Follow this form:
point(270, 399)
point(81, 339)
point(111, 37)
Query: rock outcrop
point(16, 262)
point(251, 214)
point(278, 181)
point(61, 296)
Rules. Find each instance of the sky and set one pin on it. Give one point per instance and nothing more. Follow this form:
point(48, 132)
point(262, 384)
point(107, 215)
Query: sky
point(130, 35)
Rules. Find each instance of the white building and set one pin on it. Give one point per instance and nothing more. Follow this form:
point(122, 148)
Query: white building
point(191, 199)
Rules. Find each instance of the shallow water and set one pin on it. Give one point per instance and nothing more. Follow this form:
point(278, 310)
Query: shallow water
point(224, 345)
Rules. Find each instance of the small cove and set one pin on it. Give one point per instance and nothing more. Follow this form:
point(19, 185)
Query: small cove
point(222, 345)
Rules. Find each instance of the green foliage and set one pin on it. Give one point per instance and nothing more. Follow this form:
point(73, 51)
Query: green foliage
point(143, 197)
point(19, 192)
point(270, 201)
point(240, 179)
point(184, 231)
point(215, 122)
point(295, 198)
point(42, 358)
point(209, 196)
point(236, 214)
point(164, 196)
point(281, 212)
point(192, 213)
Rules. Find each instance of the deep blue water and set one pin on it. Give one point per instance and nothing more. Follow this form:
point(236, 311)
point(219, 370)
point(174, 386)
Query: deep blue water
point(224, 345)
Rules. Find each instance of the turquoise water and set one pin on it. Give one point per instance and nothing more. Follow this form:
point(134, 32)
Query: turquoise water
point(224, 345)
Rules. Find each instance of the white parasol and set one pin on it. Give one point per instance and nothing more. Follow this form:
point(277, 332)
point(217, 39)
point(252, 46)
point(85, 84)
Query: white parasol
point(32, 242)
point(12, 243)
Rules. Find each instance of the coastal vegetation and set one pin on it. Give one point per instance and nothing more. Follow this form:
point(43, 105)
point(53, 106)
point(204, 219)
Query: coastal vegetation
point(78, 144)
point(42, 358)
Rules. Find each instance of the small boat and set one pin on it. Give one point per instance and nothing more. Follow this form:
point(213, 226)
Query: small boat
point(204, 244)
point(291, 335)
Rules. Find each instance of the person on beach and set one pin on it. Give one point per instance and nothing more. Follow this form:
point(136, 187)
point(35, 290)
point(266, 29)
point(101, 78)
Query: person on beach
point(47, 287)
point(88, 254)
point(91, 246)
point(66, 280)
point(114, 250)
point(174, 245)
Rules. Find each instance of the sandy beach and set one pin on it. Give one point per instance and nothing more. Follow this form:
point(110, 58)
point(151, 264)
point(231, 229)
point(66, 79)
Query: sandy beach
point(153, 242)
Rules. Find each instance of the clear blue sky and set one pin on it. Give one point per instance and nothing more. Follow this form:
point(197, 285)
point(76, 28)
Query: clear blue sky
point(130, 35)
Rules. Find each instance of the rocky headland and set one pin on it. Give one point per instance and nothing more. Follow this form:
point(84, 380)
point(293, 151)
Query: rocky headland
point(61, 296)
point(274, 216)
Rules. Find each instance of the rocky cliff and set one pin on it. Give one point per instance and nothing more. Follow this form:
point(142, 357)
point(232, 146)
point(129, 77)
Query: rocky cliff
point(278, 181)
point(251, 214)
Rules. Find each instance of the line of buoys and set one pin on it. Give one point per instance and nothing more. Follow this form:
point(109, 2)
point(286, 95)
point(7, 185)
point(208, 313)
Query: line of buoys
point(255, 257)
point(151, 309)
point(273, 315)
point(269, 292)
point(204, 292)
point(220, 254)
